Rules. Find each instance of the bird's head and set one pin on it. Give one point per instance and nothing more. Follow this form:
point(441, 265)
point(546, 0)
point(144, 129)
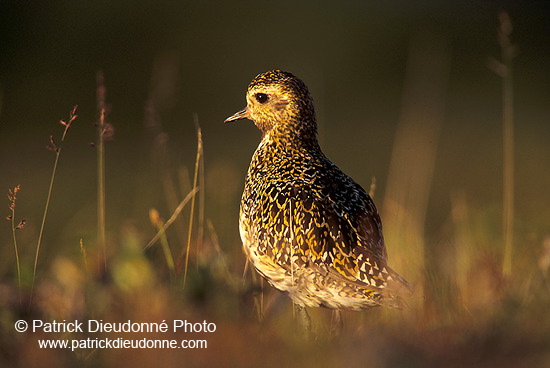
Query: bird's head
point(277, 100)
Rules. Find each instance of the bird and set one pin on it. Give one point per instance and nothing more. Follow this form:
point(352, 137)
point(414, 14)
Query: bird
point(308, 228)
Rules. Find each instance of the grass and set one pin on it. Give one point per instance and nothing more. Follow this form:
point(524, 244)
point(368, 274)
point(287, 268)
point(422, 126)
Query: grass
point(57, 149)
point(192, 210)
point(103, 133)
point(161, 226)
point(508, 54)
point(13, 198)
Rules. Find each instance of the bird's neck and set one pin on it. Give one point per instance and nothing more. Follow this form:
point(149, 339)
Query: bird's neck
point(275, 152)
point(283, 140)
point(293, 134)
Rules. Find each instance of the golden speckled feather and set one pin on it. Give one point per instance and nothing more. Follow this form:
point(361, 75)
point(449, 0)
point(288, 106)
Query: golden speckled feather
point(308, 228)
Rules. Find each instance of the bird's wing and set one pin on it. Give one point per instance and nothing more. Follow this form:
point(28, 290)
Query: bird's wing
point(343, 237)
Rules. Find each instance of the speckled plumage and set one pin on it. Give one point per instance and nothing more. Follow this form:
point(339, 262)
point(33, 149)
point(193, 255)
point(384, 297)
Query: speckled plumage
point(308, 228)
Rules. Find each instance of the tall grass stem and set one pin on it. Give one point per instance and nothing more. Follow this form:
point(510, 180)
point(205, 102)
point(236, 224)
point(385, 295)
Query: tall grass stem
point(192, 210)
point(57, 149)
point(13, 197)
point(101, 126)
point(508, 53)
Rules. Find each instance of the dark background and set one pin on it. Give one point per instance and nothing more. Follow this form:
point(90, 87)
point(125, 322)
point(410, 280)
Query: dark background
point(352, 55)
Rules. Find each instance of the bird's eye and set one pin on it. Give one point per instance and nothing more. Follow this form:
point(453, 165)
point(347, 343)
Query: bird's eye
point(261, 97)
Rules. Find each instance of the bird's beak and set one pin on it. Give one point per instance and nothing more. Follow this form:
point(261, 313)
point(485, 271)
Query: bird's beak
point(243, 114)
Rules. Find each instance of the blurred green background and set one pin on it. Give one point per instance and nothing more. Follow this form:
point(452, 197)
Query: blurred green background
point(169, 63)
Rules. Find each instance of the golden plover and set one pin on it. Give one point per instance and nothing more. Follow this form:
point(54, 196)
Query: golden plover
point(309, 229)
